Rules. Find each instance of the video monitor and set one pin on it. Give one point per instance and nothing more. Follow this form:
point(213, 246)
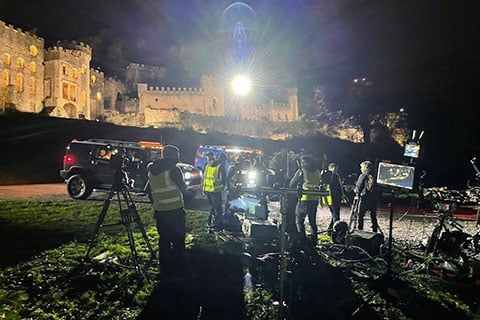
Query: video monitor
point(395, 175)
point(412, 150)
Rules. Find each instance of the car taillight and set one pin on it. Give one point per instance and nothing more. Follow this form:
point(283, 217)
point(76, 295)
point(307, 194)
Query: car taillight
point(68, 159)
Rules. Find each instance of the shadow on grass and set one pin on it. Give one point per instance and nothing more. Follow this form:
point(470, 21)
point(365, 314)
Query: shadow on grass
point(20, 243)
point(207, 286)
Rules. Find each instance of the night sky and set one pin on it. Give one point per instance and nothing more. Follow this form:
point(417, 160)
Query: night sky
point(423, 56)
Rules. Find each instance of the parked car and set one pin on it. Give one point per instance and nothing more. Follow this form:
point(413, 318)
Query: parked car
point(192, 177)
point(93, 165)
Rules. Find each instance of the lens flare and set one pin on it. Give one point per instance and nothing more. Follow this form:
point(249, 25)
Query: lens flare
point(241, 85)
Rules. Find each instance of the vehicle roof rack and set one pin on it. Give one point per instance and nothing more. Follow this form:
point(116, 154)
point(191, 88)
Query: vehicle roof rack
point(116, 143)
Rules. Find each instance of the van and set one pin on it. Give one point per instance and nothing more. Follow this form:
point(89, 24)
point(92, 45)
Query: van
point(233, 153)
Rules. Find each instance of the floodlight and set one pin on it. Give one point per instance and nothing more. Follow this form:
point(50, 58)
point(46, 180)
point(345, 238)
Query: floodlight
point(241, 85)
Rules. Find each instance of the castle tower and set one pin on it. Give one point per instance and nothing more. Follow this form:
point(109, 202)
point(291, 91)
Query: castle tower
point(21, 70)
point(67, 79)
point(214, 96)
point(293, 102)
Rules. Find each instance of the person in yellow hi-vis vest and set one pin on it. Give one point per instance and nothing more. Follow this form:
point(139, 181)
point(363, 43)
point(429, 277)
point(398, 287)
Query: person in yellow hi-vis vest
point(165, 192)
point(308, 177)
point(333, 184)
point(213, 184)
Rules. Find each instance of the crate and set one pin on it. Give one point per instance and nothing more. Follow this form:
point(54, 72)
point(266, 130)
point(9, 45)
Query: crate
point(259, 229)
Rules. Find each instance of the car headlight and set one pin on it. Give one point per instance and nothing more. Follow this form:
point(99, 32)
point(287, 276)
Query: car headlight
point(188, 175)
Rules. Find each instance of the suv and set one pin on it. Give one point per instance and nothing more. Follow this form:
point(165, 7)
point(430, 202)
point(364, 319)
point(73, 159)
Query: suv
point(91, 164)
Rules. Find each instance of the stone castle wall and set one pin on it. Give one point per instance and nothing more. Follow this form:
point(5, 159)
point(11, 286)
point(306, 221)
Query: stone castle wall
point(21, 69)
point(67, 79)
point(97, 89)
point(60, 79)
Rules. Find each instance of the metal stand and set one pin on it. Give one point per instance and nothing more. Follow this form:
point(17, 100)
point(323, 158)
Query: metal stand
point(129, 214)
point(283, 193)
point(390, 238)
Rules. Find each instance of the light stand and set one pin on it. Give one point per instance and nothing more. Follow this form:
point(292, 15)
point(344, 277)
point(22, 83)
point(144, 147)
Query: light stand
point(283, 193)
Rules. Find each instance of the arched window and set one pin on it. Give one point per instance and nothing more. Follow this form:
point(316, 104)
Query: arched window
point(32, 67)
point(33, 50)
point(74, 73)
point(6, 58)
point(20, 63)
point(99, 96)
point(214, 104)
point(93, 79)
point(31, 86)
point(5, 78)
point(19, 83)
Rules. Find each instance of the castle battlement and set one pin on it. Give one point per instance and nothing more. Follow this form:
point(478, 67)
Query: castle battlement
point(65, 46)
point(19, 31)
point(97, 71)
point(268, 106)
point(142, 66)
point(174, 90)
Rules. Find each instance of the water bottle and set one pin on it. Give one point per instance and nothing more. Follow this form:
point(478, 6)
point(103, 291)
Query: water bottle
point(248, 286)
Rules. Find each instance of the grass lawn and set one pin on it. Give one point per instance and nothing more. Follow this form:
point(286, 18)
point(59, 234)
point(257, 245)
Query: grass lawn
point(44, 274)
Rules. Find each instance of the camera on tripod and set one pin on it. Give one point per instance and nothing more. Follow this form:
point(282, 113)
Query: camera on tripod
point(444, 208)
point(123, 166)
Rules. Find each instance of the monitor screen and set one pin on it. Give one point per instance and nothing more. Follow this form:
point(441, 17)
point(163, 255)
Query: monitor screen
point(395, 175)
point(412, 150)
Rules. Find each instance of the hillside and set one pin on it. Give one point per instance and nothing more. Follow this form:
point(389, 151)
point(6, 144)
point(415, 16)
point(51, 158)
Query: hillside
point(33, 145)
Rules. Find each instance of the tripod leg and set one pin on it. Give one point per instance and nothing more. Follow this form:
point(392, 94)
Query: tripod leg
point(353, 216)
point(126, 221)
point(138, 221)
point(99, 223)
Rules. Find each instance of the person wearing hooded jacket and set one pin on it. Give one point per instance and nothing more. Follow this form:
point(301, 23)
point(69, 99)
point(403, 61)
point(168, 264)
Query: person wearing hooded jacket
point(166, 184)
point(307, 177)
point(365, 193)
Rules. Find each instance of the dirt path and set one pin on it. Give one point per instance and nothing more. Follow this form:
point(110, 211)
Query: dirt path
point(33, 191)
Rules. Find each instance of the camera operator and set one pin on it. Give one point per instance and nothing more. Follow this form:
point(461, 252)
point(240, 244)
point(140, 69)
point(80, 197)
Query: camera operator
point(165, 191)
point(366, 195)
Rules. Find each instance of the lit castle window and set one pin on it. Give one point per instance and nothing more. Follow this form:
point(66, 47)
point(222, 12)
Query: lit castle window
point(32, 86)
point(5, 78)
point(20, 63)
point(19, 85)
point(33, 51)
point(33, 67)
point(6, 59)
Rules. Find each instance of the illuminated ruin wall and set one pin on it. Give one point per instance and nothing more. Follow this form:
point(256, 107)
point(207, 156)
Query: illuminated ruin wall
point(154, 102)
point(21, 69)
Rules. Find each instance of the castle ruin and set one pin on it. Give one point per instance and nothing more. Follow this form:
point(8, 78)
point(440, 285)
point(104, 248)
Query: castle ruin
point(59, 81)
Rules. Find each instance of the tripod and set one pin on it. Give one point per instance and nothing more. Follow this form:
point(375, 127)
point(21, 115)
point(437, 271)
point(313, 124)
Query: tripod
point(128, 213)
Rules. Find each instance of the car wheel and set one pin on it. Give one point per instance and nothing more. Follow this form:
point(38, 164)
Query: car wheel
point(78, 187)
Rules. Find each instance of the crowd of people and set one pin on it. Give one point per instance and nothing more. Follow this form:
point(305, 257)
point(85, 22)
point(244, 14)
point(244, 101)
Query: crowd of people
point(223, 183)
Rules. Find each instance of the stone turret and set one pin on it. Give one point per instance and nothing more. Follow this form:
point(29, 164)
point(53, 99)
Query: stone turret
point(67, 79)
